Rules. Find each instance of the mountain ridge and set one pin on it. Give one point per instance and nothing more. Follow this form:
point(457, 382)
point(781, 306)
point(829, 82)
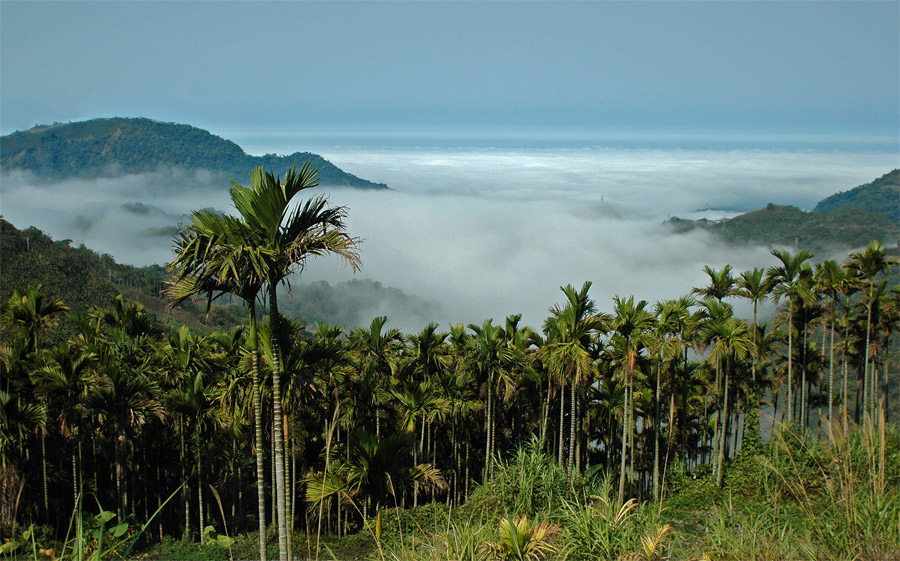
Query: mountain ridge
point(845, 220)
point(118, 145)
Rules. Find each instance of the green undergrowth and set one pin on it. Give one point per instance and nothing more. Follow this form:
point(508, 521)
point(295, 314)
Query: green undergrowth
point(795, 497)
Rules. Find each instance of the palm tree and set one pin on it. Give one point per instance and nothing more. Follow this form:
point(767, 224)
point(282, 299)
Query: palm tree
point(786, 279)
point(213, 258)
point(125, 398)
point(865, 266)
point(66, 380)
point(631, 324)
point(375, 473)
point(488, 356)
point(273, 238)
point(289, 234)
point(34, 312)
point(731, 340)
point(569, 353)
point(721, 284)
point(830, 281)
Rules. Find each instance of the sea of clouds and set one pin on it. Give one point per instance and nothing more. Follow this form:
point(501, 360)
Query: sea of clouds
point(482, 232)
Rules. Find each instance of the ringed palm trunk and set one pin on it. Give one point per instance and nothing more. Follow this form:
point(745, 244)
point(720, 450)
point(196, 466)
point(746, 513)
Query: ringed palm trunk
point(790, 384)
point(258, 429)
point(625, 422)
point(562, 408)
point(720, 472)
point(572, 423)
point(276, 427)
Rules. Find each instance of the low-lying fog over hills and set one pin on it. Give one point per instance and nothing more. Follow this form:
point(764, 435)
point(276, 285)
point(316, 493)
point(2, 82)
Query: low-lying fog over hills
point(481, 232)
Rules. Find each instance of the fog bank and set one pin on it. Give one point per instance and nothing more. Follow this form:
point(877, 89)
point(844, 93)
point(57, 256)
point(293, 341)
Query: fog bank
point(482, 232)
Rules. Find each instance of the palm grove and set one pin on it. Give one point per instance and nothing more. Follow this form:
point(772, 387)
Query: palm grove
point(276, 425)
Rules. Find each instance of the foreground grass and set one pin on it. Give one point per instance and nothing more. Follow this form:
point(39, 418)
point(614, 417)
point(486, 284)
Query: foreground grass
point(794, 498)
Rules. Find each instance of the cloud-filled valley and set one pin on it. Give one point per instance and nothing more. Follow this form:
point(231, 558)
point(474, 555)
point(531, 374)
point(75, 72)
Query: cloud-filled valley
point(483, 233)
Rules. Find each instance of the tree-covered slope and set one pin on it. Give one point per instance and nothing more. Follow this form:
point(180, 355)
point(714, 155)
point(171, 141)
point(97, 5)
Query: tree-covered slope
point(103, 147)
point(82, 278)
point(881, 196)
point(834, 224)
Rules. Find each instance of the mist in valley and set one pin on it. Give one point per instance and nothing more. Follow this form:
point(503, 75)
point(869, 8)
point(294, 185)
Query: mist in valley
point(474, 234)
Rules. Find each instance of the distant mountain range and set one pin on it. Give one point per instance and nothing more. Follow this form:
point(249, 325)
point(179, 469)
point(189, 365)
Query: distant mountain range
point(109, 147)
point(845, 220)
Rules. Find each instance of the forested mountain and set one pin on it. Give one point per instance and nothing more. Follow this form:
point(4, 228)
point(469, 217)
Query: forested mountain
point(103, 147)
point(881, 196)
point(842, 221)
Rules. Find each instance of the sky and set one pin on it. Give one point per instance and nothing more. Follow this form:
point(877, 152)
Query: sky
point(801, 68)
point(529, 145)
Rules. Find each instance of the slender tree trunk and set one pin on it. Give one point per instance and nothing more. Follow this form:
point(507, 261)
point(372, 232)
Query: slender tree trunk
point(720, 472)
point(187, 484)
point(260, 446)
point(572, 422)
point(200, 491)
point(831, 371)
point(487, 433)
point(656, 429)
point(790, 385)
point(277, 433)
point(625, 424)
point(562, 408)
point(866, 376)
point(44, 473)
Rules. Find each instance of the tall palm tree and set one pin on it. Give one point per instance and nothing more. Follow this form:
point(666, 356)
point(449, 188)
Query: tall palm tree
point(570, 352)
point(786, 280)
point(731, 340)
point(830, 281)
point(721, 284)
point(290, 234)
point(66, 381)
point(631, 324)
point(865, 266)
point(489, 354)
point(272, 239)
point(213, 257)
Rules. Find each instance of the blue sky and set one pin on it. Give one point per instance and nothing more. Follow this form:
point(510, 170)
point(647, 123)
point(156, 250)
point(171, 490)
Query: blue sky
point(825, 68)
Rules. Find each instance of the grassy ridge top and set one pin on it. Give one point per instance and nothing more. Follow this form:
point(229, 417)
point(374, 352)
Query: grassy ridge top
point(102, 147)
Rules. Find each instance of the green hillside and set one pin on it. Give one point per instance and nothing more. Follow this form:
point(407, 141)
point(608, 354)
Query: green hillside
point(103, 147)
point(837, 222)
point(881, 196)
point(82, 278)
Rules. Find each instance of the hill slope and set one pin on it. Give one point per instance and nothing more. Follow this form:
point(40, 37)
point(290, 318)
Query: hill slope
point(82, 278)
point(842, 221)
point(881, 196)
point(104, 147)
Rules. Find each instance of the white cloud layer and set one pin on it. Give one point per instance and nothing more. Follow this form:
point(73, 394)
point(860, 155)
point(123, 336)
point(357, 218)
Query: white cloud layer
point(485, 233)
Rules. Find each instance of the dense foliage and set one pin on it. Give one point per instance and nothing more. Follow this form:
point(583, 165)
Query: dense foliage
point(632, 432)
point(136, 145)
